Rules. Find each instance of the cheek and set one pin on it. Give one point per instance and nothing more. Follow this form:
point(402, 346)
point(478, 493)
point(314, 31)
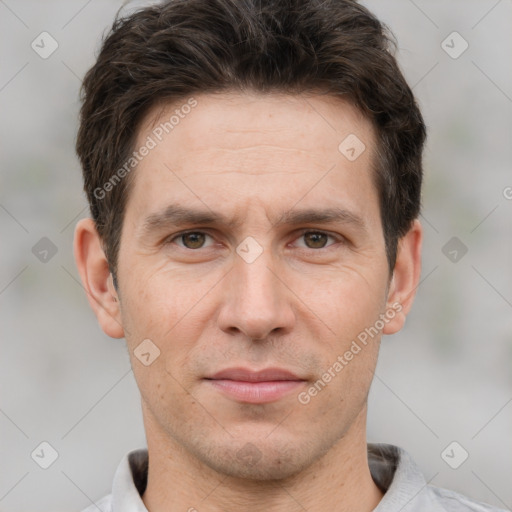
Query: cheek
point(173, 315)
point(348, 308)
point(159, 301)
point(346, 301)
point(165, 396)
point(160, 343)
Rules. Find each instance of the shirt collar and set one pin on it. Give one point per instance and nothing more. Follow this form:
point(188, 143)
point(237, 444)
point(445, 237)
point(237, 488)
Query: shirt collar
point(398, 476)
point(391, 467)
point(130, 483)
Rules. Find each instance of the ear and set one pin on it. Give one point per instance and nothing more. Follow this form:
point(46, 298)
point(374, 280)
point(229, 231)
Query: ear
point(405, 279)
point(96, 278)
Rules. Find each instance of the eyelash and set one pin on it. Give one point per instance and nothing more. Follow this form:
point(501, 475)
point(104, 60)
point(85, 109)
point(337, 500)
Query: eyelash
point(339, 239)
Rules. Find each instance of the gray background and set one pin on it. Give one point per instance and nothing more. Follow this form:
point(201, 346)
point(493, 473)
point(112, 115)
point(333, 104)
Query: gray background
point(446, 377)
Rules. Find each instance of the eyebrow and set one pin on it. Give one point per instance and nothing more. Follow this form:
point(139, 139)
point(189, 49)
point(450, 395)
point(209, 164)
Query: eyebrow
point(177, 216)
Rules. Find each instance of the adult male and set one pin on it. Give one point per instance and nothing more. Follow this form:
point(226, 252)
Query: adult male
point(254, 176)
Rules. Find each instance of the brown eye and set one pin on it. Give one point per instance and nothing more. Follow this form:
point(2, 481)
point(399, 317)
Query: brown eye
point(194, 240)
point(315, 239)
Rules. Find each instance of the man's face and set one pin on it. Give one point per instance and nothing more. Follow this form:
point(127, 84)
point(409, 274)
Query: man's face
point(292, 270)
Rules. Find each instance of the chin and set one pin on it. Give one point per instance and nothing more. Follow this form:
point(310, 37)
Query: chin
point(278, 468)
point(259, 461)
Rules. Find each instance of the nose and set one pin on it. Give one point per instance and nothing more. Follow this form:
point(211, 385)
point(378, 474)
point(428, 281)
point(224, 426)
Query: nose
point(256, 302)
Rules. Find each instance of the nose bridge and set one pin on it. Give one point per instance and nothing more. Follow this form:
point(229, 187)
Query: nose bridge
point(256, 303)
point(257, 281)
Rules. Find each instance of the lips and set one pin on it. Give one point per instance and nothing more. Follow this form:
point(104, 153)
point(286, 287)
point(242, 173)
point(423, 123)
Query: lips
point(242, 374)
point(262, 386)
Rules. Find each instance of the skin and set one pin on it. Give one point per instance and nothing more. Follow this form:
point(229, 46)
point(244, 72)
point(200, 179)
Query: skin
point(299, 305)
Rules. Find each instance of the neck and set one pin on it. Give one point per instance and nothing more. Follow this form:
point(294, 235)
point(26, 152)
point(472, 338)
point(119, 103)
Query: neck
point(340, 480)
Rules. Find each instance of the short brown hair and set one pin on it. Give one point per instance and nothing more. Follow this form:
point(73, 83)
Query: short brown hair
point(169, 51)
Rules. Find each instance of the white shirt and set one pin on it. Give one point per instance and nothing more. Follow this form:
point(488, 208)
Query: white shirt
point(391, 467)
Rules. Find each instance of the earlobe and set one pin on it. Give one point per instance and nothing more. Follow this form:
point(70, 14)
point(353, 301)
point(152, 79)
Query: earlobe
point(96, 278)
point(406, 275)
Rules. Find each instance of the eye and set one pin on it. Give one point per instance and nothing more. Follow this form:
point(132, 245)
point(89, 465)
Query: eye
point(191, 239)
point(315, 239)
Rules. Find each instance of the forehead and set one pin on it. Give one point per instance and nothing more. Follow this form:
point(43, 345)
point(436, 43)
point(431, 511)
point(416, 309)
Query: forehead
point(302, 121)
point(241, 151)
